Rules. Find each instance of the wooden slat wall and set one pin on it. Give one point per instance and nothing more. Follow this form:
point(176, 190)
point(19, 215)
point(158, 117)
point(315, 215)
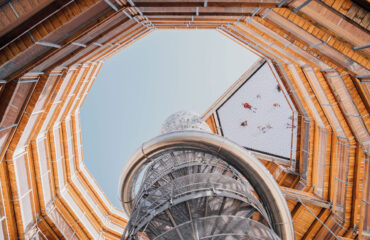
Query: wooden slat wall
point(313, 56)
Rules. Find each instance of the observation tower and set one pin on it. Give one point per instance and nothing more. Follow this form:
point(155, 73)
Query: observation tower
point(191, 184)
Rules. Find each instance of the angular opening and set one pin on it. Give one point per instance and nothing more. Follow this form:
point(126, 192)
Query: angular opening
point(138, 88)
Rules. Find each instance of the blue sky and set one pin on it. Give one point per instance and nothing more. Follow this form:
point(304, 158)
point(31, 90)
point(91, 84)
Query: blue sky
point(138, 88)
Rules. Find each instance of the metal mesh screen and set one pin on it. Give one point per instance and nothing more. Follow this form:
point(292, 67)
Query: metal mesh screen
point(219, 227)
point(188, 194)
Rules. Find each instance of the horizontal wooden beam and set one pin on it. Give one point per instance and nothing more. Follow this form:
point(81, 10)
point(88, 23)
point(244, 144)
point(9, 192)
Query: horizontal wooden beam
point(305, 197)
point(230, 14)
point(215, 20)
point(209, 4)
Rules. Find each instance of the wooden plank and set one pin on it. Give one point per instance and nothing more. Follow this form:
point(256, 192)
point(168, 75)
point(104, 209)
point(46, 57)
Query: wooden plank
point(194, 4)
point(31, 22)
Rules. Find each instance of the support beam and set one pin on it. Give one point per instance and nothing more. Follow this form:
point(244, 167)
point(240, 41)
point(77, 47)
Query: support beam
point(180, 4)
point(305, 197)
point(301, 6)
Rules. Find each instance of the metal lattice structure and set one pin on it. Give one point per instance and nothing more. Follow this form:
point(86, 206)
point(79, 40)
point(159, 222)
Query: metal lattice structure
point(185, 192)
